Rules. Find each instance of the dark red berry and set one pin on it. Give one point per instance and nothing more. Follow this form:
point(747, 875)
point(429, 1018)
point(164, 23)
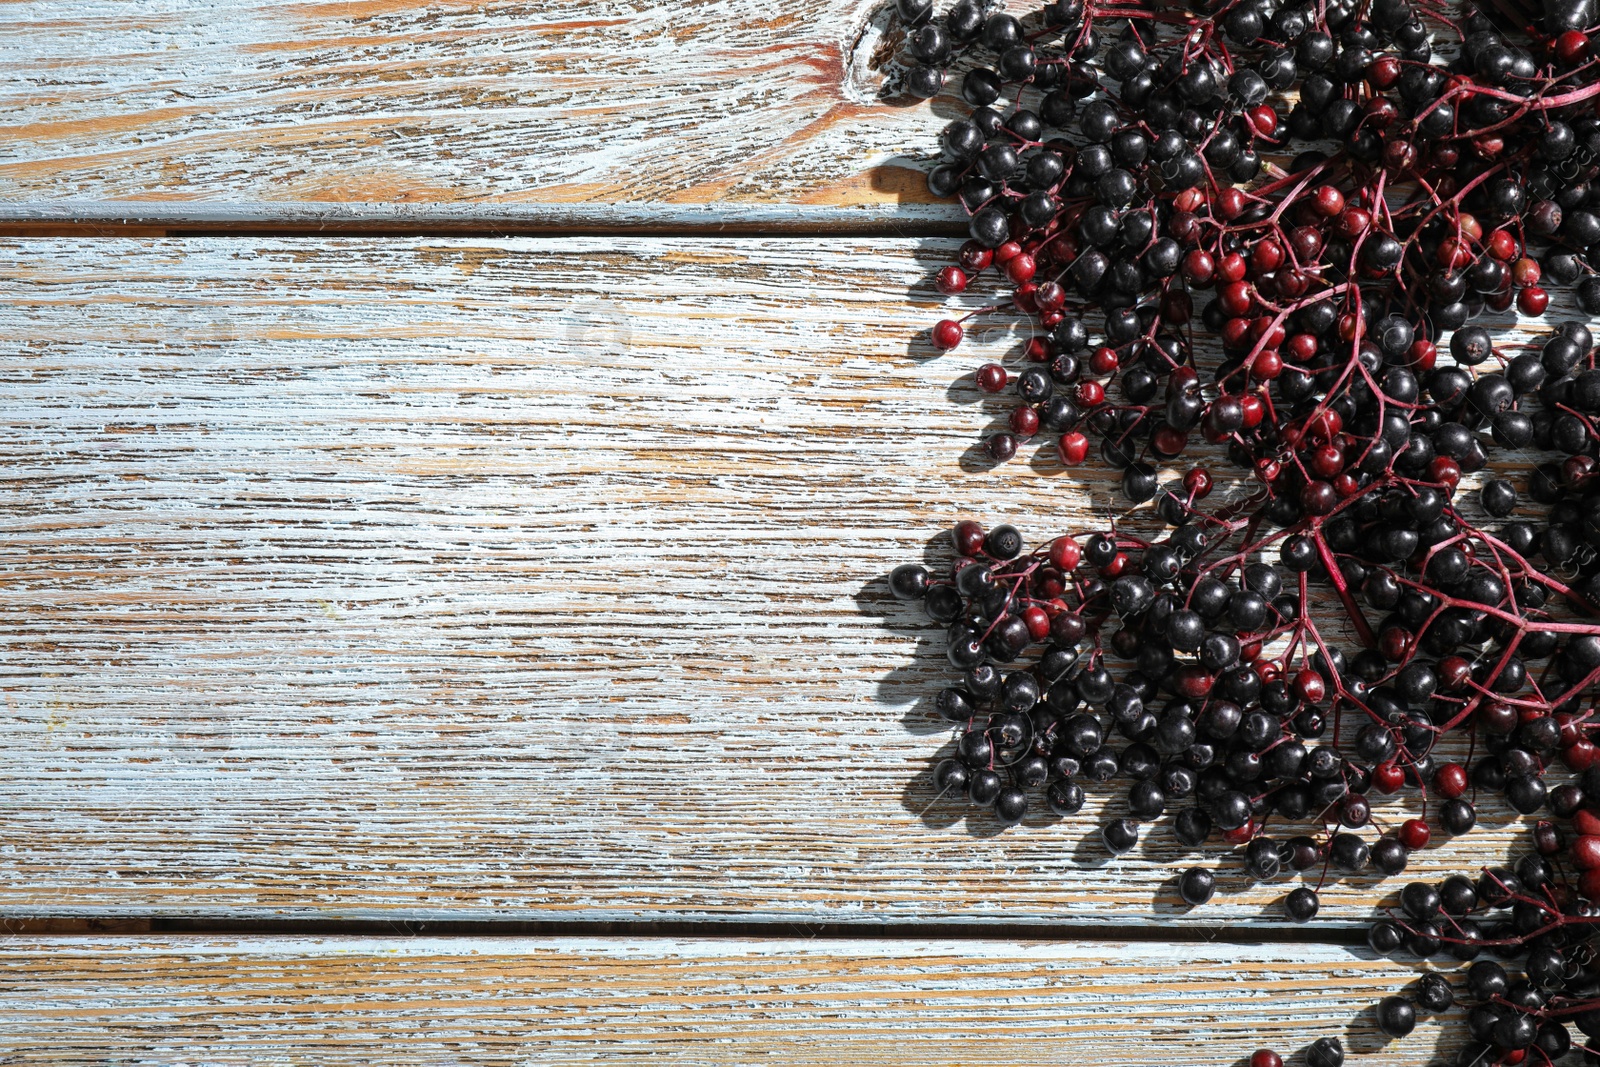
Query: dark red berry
point(992, 378)
point(952, 280)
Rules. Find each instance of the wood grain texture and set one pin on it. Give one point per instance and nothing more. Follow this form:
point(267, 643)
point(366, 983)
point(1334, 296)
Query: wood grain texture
point(499, 113)
point(516, 1001)
point(519, 579)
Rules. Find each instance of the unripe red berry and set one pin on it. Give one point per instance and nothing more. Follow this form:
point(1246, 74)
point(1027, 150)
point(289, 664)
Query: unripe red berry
point(1318, 498)
point(1454, 672)
point(1325, 424)
point(1198, 267)
point(1073, 448)
point(1327, 201)
point(1001, 447)
point(1422, 355)
point(1502, 246)
point(1310, 687)
point(1023, 298)
point(1037, 621)
point(975, 257)
point(1571, 48)
point(1388, 777)
point(1024, 421)
point(1266, 256)
point(1020, 267)
point(1064, 551)
point(1399, 155)
point(1395, 643)
point(1050, 297)
point(947, 333)
point(952, 280)
point(1353, 221)
point(1236, 297)
point(1453, 254)
point(1194, 682)
point(1533, 300)
point(1184, 226)
point(1383, 72)
point(1262, 119)
point(969, 537)
point(1327, 461)
point(992, 377)
point(1443, 470)
point(1236, 332)
point(1169, 441)
point(1450, 780)
point(1300, 347)
point(1414, 834)
point(1254, 410)
point(1268, 331)
point(1266, 366)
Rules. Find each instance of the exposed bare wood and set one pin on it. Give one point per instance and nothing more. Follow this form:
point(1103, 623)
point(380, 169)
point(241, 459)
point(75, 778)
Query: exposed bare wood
point(517, 1001)
point(524, 579)
point(197, 113)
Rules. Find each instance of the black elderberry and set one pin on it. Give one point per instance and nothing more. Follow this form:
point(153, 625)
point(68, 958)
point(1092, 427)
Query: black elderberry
point(1385, 938)
point(984, 787)
point(1396, 1016)
point(1120, 835)
point(1301, 906)
point(1196, 886)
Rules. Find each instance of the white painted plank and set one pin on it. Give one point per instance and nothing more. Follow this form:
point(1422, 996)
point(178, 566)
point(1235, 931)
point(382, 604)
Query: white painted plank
point(396, 111)
point(523, 579)
point(516, 1001)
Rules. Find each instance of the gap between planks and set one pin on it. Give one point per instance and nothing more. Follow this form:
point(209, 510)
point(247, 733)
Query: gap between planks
point(1332, 933)
point(381, 220)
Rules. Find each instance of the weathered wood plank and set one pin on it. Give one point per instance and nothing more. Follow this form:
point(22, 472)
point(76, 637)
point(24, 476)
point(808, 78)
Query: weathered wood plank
point(515, 1001)
point(523, 579)
point(425, 114)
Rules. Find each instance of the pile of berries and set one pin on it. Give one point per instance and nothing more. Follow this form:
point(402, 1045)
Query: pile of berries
point(1307, 287)
point(1117, 168)
point(1528, 931)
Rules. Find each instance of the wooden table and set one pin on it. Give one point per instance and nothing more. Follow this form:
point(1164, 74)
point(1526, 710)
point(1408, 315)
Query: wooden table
point(451, 457)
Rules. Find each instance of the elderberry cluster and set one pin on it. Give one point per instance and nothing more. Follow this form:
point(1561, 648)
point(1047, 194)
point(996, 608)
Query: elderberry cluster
point(1116, 165)
point(1529, 932)
point(1285, 228)
point(1193, 667)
